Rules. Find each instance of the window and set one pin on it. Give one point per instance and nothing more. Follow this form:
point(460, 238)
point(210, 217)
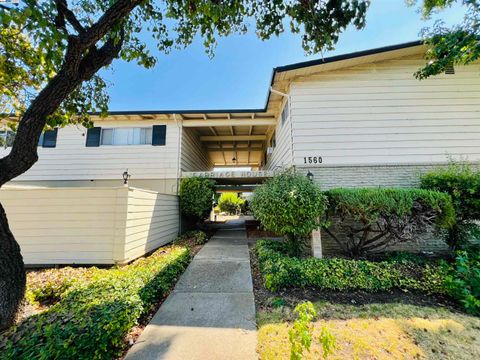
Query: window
point(285, 113)
point(126, 136)
point(6, 138)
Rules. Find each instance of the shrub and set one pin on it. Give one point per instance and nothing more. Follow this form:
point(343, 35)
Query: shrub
point(91, 320)
point(384, 217)
point(463, 280)
point(463, 185)
point(230, 203)
point(196, 197)
point(281, 271)
point(290, 205)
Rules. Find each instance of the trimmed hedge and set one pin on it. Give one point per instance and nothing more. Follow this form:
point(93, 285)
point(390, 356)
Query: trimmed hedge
point(385, 217)
point(280, 271)
point(92, 318)
point(366, 204)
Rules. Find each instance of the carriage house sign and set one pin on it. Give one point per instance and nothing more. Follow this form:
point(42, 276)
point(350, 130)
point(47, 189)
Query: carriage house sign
point(260, 174)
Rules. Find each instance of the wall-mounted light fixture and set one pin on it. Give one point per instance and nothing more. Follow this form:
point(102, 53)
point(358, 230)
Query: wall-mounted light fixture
point(126, 176)
point(310, 176)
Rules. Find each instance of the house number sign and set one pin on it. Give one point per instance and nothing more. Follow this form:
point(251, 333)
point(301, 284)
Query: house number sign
point(312, 160)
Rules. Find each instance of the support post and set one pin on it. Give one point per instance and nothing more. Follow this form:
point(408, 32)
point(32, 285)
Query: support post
point(317, 243)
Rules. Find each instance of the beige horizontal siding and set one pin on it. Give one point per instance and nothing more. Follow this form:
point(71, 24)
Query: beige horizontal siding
point(72, 160)
point(152, 221)
point(379, 113)
point(63, 226)
point(89, 225)
point(194, 157)
point(282, 153)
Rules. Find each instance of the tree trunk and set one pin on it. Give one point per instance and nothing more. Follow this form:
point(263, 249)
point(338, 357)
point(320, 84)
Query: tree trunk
point(82, 60)
point(12, 274)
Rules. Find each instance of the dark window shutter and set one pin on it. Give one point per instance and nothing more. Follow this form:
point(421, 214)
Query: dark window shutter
point(93, 136)
point(50, 138)
point(159, 133)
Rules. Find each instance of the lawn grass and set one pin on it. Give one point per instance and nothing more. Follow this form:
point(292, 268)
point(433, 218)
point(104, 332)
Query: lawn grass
point(376, 331)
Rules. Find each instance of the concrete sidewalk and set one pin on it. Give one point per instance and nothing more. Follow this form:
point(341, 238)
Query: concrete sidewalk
point(211, 312)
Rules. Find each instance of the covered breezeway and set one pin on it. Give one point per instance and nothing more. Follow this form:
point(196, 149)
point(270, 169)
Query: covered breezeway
point(238, 181)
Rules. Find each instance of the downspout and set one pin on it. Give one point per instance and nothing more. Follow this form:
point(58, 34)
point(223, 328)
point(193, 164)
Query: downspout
point(289, 119)
point(179, 148)
point(179, 170)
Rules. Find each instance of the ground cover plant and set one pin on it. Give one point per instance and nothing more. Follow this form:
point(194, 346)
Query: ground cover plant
point(91, 310)
point(371, 220)
point(280, 271)
point(290, 205)
point(462, 182)
point(459, 280)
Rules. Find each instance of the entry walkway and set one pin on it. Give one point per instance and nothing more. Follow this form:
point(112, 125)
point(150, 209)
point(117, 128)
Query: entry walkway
point(211, 312)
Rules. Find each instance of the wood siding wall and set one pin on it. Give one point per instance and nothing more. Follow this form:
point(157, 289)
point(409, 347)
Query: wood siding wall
point(282, 152)
point(380, 114)
point(72, 160)
point(194, 156)
point(152, 221)
point(89, 225)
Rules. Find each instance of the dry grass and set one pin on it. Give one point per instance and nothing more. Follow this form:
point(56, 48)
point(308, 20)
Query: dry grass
point(377, 331)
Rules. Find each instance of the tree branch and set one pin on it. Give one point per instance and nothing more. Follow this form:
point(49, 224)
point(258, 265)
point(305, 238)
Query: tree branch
point(82, 61)
point(65, 13)
point(342, 246)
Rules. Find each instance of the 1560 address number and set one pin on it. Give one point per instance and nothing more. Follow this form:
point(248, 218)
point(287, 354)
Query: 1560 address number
point(312, 160)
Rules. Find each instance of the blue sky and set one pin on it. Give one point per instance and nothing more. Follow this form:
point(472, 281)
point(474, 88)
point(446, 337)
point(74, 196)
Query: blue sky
point(239, 74)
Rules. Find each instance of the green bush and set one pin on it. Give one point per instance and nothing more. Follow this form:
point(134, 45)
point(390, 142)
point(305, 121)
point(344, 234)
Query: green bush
point(196, 197)
point(463, 280)
point(281, 271)
point(463, 185)
point(384, 217)
point(92, 319)
point(289, 204)
point(230, 203)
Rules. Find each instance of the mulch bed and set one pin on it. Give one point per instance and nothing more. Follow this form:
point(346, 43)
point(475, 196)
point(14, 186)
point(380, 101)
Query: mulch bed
point(292, 296)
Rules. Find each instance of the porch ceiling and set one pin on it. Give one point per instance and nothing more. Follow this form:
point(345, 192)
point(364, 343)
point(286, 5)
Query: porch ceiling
point(233, 139)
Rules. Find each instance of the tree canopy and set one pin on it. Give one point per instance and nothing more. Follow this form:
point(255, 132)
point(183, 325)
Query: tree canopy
point(448, 46)
point(37, 35)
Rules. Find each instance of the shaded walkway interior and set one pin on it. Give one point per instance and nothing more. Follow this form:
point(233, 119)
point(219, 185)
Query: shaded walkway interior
point(211, 312)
